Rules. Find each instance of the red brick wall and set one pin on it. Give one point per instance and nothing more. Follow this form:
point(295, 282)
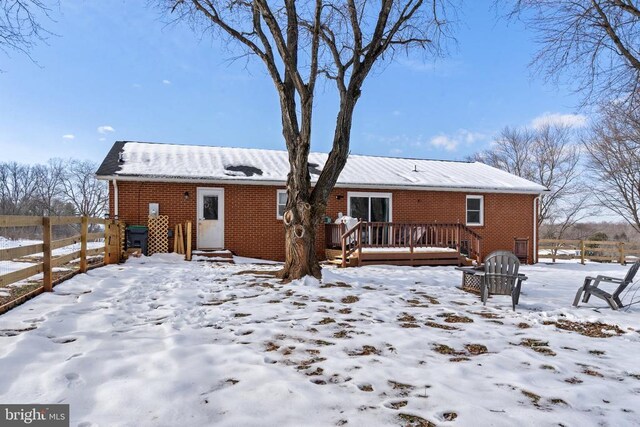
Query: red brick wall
point(251, 227)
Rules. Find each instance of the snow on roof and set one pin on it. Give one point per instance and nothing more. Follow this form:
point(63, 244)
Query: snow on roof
point(205, 163)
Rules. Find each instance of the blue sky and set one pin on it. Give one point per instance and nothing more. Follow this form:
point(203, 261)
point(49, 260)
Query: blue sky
point(116, 71)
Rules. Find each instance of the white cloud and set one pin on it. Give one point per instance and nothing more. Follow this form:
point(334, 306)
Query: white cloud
point(69, 136)
point(166, 82)
point(136, 85)
point(444, 141)
point(396, 113)
point(105, 129)
point(571, 120)
point(395, 151)
point(451, 142)
point(102, 139)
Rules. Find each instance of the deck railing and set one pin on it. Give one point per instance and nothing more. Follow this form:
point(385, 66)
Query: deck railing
point(402, 235)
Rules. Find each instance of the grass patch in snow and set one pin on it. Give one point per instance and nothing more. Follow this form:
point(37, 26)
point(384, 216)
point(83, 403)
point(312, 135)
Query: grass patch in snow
point(350, 299)
point(336, 285)
point(398, 404)
point(475, 349)
point(449, 416)
point(588, 329)
point(441, 326)
point(409, 420)
point(538, 346)
point(455, 318)
point(366, 350)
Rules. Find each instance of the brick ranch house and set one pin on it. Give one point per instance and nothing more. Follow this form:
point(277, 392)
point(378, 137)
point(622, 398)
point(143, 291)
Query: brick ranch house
point(236, 196)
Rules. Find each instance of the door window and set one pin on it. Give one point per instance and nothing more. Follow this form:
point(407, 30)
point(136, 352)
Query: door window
point(210, 207)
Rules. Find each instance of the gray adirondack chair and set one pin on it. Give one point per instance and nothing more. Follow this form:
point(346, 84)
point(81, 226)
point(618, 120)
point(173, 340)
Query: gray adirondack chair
point(590, 287)
point(501, 276)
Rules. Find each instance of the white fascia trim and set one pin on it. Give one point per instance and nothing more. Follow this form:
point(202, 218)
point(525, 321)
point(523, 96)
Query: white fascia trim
point(338, 185)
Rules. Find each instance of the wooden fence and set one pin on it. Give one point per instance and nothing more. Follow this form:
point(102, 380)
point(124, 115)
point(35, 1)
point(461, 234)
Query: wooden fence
point(46, 248)
point(592, 250)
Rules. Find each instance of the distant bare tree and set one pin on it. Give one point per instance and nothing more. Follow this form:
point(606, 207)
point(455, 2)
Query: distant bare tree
point(49, 189)
point(18, 187)
point(548, 156)
point(20, 28)
point(595, 44)
point(80, 187)
point(613, 143)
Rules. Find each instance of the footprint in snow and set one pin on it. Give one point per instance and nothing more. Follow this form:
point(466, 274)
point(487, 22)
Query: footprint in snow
point(72, 379)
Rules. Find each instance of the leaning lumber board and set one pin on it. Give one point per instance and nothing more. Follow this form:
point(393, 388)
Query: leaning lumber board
point(16, 276)
point(20, 251)
point(188, 249)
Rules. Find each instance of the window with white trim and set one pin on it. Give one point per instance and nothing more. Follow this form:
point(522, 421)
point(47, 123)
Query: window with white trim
point(475, 210)
point(370, 207)
point(281, 203)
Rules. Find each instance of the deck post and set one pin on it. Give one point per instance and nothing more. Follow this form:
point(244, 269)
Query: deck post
point(359, 243)
point(622, 257)
point(47, 280)
point(84, 229)
point(411, 239)
point(582, 252)
point(344, 251)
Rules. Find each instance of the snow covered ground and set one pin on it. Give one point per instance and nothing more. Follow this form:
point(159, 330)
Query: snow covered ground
point(160, 341)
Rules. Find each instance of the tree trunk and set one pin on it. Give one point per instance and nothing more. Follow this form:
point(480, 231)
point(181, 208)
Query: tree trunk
point(300, 224)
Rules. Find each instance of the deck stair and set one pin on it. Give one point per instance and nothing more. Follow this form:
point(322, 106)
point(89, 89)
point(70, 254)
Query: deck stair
point(218, 255)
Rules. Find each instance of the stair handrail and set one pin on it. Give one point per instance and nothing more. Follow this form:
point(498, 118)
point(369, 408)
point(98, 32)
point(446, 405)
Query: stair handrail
point(358, 241)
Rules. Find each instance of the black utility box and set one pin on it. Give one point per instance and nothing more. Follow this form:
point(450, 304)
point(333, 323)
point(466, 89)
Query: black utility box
point(137, 236)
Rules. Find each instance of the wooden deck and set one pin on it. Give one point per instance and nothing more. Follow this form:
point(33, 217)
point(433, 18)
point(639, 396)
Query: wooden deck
point(401, 244)
point(415, 259)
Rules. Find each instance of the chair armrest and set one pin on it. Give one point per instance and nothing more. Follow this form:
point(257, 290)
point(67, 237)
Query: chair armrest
point(522, 277)
point(469, 270)
point(609, 279)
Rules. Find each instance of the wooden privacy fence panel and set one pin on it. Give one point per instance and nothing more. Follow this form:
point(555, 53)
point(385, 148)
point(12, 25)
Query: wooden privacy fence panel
point(46, 248)
point(621, 252)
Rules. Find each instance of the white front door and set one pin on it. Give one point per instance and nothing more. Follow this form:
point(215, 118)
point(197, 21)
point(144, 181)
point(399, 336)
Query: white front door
point(210, 218)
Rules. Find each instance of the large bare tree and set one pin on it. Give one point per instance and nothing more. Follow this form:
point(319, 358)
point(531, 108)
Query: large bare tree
point(595, 44)
point(20, 24)
point(613, 144)
point(299, 42)
point(548, 155)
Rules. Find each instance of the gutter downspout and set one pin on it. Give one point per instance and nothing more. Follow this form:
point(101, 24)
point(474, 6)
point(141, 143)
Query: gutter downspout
point(115, 198)
point(535, 227)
